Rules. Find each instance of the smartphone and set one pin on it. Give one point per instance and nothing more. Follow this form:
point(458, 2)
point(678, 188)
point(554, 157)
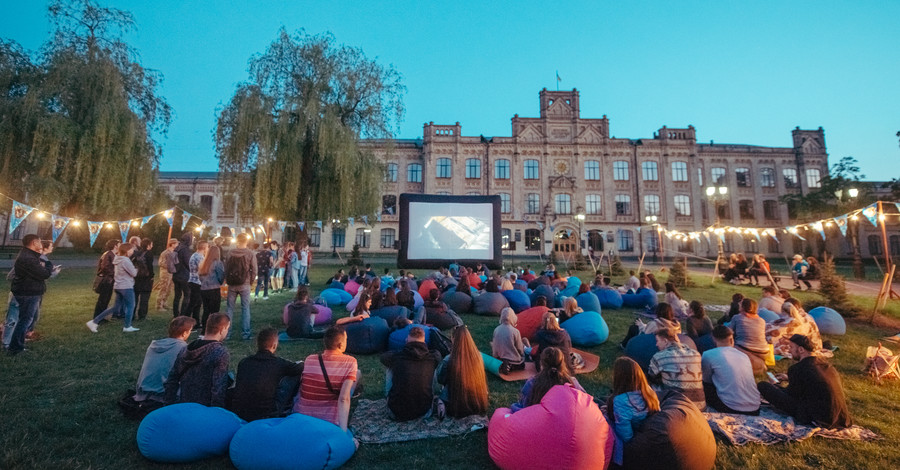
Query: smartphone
point(772, 377)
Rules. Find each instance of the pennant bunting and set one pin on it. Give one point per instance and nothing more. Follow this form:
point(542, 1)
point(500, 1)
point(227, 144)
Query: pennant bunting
point(378, 216)
point(282, 225)
point(350, 220)
point(124, 227)
point(146, 219)
point(185, 218)
point(94, 230)
point(19, 213)
point(638, 228)
point(898, 206)
point(568, 233)
point(871, 213)
point(301, 225)
point(58, 225)
point(819, 228)
point(841, 222)
point(170, 216)
point(540, 225)
point(771, 233)
point(319, 224)
point(263, 230)
point(365, 219)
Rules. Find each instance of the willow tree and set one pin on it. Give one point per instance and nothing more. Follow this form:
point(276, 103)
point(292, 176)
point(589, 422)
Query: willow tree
point(290, 140)
point(88, 118)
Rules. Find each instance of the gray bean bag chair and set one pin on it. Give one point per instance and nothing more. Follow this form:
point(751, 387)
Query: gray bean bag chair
point(545, 291)
point(459, 302)
point(489, 303)
point(677, 437)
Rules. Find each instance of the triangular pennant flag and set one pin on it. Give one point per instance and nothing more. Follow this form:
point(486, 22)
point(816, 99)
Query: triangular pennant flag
point(319, 224)
point(552, 228)
point(540, 225)
point(185, 218)
point(378, 216)
point(146, 219)
point(301, 225)
point(263, 230)
point(365, 219)
point(755, 233)
point(871, 213)
point(793, 229)
point(721, 235)
point(124, 227)
point(819, 228)
point(58, 225)
point(638, 228)
point(282, 224)
point(708, 241)
point(568, 233)
point(94, 230)
point(898, 206)
point(350, 220)
point(19, 213)
point(390, 210)
point(771, 233)
point(841, 222)
point(170, 216)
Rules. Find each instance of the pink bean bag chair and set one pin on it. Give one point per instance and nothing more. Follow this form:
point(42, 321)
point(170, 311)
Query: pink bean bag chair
point(579, 436)
point(322, 318)
point(352, 287)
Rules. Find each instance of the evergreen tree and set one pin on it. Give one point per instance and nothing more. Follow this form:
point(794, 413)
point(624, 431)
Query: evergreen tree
point(832, 287)
point(678, 273)
point(355, 258)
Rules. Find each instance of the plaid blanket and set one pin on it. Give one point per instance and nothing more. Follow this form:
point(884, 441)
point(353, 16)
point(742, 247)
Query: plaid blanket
point(772, 428)
point(371, 424)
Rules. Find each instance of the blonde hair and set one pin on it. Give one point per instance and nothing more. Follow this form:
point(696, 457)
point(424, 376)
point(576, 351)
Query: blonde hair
point(571, 307)
point(506, 285)
point(550, 322)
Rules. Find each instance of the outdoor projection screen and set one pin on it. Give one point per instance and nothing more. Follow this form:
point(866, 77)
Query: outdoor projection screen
point(439, 230)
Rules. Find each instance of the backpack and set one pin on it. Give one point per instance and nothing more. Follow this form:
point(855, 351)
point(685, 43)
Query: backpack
point(237, 269)
point(140, 263)
point(438, 342)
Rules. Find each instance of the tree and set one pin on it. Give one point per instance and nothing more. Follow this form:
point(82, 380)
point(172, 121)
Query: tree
point(85, 116)
point(289, 140)
point(832, 287)
point(842, 176)
point(678, 274)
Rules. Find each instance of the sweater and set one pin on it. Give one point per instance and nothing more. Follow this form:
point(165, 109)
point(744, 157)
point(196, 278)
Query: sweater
point(507, 344)
point(125, 272)
point(200, 375)
point(750, 333)
point(158, 361)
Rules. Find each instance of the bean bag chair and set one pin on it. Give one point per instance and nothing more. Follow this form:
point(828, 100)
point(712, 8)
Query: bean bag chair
point(517, 299)
point(579, 436)
point(334, 296)
point(419, 301)
point(397, 338)
point(529, 321)
point(589, 302)
point(186, 432)
point(829, 321)
point(609, 298)
point(546, 291)
point(453, 267)
point(489, 303)
point(390, 313)
point(569, 291)
point(336, 285)
point(573, 281)
point(459, 302)
point(521, 285)
point(271, 444)
point(705, 343)
point(474, 280)
point(645, 298)
point(323, 317)
point(677, 437)
point(642, 347)
point(491, 364)
point(442, 320)
point(352, 287)
point(767, 315)
point(351, 305)
point(586, 329)
point(368, 336)
point(425, 287)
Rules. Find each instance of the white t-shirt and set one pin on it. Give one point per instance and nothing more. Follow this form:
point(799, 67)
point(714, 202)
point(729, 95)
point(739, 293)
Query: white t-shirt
point(304, 257)
point(732, 374)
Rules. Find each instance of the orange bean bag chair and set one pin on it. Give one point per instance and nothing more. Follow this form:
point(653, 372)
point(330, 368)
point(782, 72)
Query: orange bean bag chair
point(530, 321)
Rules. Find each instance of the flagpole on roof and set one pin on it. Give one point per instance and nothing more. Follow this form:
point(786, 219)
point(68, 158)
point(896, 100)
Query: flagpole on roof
point(557, 80)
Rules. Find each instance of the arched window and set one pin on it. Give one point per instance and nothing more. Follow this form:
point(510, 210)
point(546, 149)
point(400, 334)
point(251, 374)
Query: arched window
point(592, 170)
point(504, 203)
point(595, 240)
point(592, 204)
point(742, 176)
point(620, 170)
point(444, 168)
point(682, 205)
point(626, 240)
point(563, 204)
point(533, 203)
point(473, 168)
point(813, 178)
point(501, 169)
point(649, 171)
point(314, 234)
point(679, 171)
point(532, 169)
point(767, 177)
point(362, 237)
point(623, 204)
point(651, 204)
point(390, 173)
point(414, 173)
point(338, 235)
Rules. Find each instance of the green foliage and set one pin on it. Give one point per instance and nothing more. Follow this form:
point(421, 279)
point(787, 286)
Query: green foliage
point(355, 258)
point(291, 135)
point(832, 287)
point(823, 201)
point(678, 274)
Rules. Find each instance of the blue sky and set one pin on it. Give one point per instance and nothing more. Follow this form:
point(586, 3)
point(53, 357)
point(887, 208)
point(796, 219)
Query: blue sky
point(740, 72)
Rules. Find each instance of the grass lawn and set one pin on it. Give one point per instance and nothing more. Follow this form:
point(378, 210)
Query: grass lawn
point(59, 411)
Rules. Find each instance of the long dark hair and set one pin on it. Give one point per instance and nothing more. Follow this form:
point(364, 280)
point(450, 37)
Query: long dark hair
point(463, 285)
point(361, 305)
point(554, 371)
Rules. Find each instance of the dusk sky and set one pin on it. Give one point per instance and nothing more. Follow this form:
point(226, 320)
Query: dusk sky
point(740, 72)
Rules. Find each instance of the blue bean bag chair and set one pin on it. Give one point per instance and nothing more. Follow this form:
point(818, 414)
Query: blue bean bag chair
point(368, 336)
point(459, 302)
point(569, 291)
point(767, 315)
point(517, 299)
point(589, 302)
point(489, 303)
point(390, 313)
point(521, 285)
point(546, 291)
point(829, 321)
point(573, 281)
point(609, 298)
point(483, 278)
point(586, 329)
point(186, 432)
point(336, 285)
point(419, 301)
point(334, 296)
point(642, 347)
point(272, 444)
point(397, 338)
point(705, 343)
point(645, 298)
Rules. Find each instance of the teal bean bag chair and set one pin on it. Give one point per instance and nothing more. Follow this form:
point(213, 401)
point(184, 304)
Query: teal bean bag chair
point(829, 321)
point(390, 313)
point(589, 302)
point(609, 298)
point(297, 442)
point(546, 291)
point(336, 285)
point(645, 298)
point(368, 336)
point(767, 315)
point(489, 303)
point(186, 432)
point(334, 296)
point(517, 299)
point(586, 329)
point(642, 347)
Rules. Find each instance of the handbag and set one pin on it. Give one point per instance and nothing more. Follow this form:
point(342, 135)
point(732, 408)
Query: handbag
point(100, 281)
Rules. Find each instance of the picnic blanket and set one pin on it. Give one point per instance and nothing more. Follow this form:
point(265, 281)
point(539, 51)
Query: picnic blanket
point(717, 308)
point(371, 424)
point(591, 362)
point(773, 428)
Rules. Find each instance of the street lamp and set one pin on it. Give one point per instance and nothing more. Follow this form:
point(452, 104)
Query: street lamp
point(717, 194)
point(651, 220)
point(579, 216)
point(859, 270)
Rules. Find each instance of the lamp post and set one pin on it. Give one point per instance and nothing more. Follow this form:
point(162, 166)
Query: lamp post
point(717, 194)
point(859, 270)
point(579, 216)
point(334, 223)
point(651, 220)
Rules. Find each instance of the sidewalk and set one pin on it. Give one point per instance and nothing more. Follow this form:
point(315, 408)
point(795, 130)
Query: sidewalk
point(854, 287)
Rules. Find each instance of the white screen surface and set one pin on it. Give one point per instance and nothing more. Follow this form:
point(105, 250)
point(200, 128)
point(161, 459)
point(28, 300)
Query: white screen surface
point(450, 231)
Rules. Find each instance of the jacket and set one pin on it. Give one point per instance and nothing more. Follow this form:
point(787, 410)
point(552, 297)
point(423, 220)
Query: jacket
point(125, 272)
point(144, 283)
point(214, 278)
point(413, 369)
point(30, 273)
point(105, 267)
point(251, 260)
point(257, 383)
point(200, 375)
point(158, 362)
point(183, 254)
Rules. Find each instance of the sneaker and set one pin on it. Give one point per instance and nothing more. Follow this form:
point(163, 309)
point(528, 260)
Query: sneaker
point(92, 326)
point(266, 298)
point(246, 337)
point(130, 329)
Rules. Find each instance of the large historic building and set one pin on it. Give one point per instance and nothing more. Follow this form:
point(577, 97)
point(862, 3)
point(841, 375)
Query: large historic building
point(567, 185)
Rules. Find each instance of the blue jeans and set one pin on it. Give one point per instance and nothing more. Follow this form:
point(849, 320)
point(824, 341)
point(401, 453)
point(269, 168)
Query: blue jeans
point(295, 278)
point(28, 307)
point(12, 318)
point(301, 274)
point(124, 304)
point(262, 282)
point(244, 292)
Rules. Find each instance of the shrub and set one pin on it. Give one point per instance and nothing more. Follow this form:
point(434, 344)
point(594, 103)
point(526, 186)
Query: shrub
point(832, 288)
point(355, 258)
point(678, 274)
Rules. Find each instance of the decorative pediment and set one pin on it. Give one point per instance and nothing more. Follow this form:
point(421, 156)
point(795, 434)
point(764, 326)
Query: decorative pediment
point(560, 109)
point(811, 145)
point(530, 134)
point(590, 136)
point(562, 182)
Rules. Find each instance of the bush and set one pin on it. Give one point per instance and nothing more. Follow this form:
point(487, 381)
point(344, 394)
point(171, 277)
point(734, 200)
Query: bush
point(678, 274)
point(355, 258)
point(832, 288)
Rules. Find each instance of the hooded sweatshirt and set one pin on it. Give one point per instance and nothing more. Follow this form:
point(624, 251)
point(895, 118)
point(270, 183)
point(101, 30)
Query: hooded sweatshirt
point(125, 272)
point(158, 362)
point(507, 343)
point(183, 253)
point(413, 372)
point(200, 375)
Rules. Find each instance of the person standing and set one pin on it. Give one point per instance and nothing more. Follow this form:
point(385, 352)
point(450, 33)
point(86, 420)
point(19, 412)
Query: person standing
point(264, 263)
point(212, 275)
point(294, 265)
point(193, 309)
point(181, 275)
point(167, 261)
point(239, 271)
point(277, 277)
point(303, 273)
point(106, 273)
point(143, 282)
point(28, 287)
point(124, 288)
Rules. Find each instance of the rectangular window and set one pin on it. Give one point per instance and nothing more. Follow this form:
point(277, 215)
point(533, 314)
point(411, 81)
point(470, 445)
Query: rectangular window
point(679, 171)
point(315, 236)
point(591, 170)
point(620, 170)
point(563, 204)
point(363, 235)
point(505, 238)
point(387, 237)
point(592, 204)
point(504, 203)
point(533, 203)
point(652, 239)
point(623, 204)
point(390, 174)
point(444, 168)
point(682, 205)
point(206, 203)
point(770, 210)
point(649, 171)
point(875, 245)
point(473, 168)
point(700, 177)
point(532, 169)
point(626, 240)
point(813, 178)
point(414, 173)
point(532, 239)
point(742, 176)
point(651, 204)
point(790, 178)
point(746, 208)
point(389, 204)
point(717, 176)
point(338, 234)
point(767, 177)
point(501, 169)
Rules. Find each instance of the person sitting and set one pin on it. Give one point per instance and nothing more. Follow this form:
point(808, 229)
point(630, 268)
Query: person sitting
point(728, 382)
point(760, 267)
point(200, 375)
point(665, 319)
point(409, 377)
point(462, 375)
point(770, 299)
point(631, 285)
point(679, 305)
point(733, 310)
point(551, 335)
point(160, 358)
point(301, 318)
point(677, 367)
point(812, 271)
point(388, 279)
point(258, 378)
point(554, 371)
point(799, 268)
point(360, 313)
point(814, 394)
point(698, 324)
point(570, 309)
point(507, 343)
point(632, 400)
point(750, 335)
point(437, 313)
point(793, 321)
point(328, 381)
point(406, 298)
point(650, 282)
point(732, 274)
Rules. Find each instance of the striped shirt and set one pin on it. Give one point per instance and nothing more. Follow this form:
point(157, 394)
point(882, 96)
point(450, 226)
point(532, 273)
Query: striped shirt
point(680, 369)
point(314, 397)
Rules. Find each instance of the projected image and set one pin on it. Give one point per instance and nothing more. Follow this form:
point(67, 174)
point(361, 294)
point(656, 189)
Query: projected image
point(456, 233)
